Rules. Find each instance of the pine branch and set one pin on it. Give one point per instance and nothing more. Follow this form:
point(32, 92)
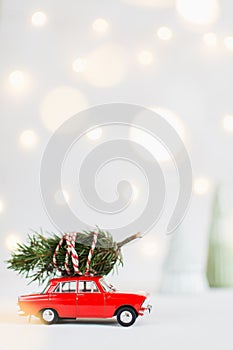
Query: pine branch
point(34, 259)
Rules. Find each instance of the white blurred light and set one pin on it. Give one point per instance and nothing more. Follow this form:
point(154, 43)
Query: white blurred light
point(39, 19)
point(17, 79)
point(1, 206)
point(135, 191)
point(200, 12)
point(100, 25)
point(210, 39)
point(149, 142)
point(201, 186)
point(79, 65)
point(107, 66)
point(164, 33)
point(60, 104)
point(150, 248)
point(62, 197)
point(228, 42)
point(150, 3)
point(173, 119)
point(28, 139)
point(11, 241)
point(94, 134)
point(145, 57)
point(227, 123)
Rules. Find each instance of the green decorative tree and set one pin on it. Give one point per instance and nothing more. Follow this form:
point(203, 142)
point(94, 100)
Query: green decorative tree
point(34, 260)
point(220, 259)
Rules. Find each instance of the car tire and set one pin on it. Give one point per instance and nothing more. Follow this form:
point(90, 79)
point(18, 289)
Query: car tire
point(48, 316)
point(126, 316)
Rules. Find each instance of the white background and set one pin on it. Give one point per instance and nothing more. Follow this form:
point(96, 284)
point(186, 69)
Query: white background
point(185, 76)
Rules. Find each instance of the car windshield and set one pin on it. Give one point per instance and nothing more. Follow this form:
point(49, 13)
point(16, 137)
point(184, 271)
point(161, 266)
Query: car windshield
point(108, 287)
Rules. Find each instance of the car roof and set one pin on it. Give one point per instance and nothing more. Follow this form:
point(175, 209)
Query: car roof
point(75, 278)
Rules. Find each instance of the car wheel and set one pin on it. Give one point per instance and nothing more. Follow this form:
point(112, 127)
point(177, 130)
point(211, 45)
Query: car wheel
point(126, 316)
point(49, 316)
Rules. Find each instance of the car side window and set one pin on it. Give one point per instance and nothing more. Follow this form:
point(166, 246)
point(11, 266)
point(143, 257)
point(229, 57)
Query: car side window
point(66, 287)
point(87, 287)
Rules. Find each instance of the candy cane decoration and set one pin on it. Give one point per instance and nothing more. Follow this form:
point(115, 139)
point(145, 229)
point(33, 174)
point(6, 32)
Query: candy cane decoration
point(70, 239)
point(95, 236)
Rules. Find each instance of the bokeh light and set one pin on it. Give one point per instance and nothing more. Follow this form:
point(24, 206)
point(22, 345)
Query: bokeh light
point(198, 12)
point(107, 66)
point(150, 143)
point(12, 240)
point(79, 65)
point(154, 146)
point(228, 42)
point(17, 80)
point(174, 120)
point(60, 104)
point(164, 33)
point(95, 134)
point(227, 123)
point(39, 19)
point(100, 25)
point(145, 57)
point(28, 139)
point(210, 39)
point(152, 248)
point(201, 185)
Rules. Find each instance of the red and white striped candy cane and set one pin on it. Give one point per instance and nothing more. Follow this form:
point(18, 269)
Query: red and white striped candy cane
point(95, 236)
point(70, 241)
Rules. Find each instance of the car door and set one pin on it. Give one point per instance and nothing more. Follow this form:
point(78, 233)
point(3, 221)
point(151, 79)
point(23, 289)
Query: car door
point(63, 299)
point(90, 300)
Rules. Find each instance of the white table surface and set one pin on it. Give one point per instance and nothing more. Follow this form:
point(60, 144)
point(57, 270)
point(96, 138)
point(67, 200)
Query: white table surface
point(201, 321)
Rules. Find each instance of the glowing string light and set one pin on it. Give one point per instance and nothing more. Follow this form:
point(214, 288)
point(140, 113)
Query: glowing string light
point(11, 241)
point(201, 186)
point(198, 12)
point(100, 25)
point(145, 57)
point(39, 19)
point(28, 139)
point(79, 65)
point(164, 33)
point(17, 80)
point(227, 123)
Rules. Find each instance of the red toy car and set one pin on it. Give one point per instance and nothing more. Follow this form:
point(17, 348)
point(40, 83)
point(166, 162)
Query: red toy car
point(83, 297)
